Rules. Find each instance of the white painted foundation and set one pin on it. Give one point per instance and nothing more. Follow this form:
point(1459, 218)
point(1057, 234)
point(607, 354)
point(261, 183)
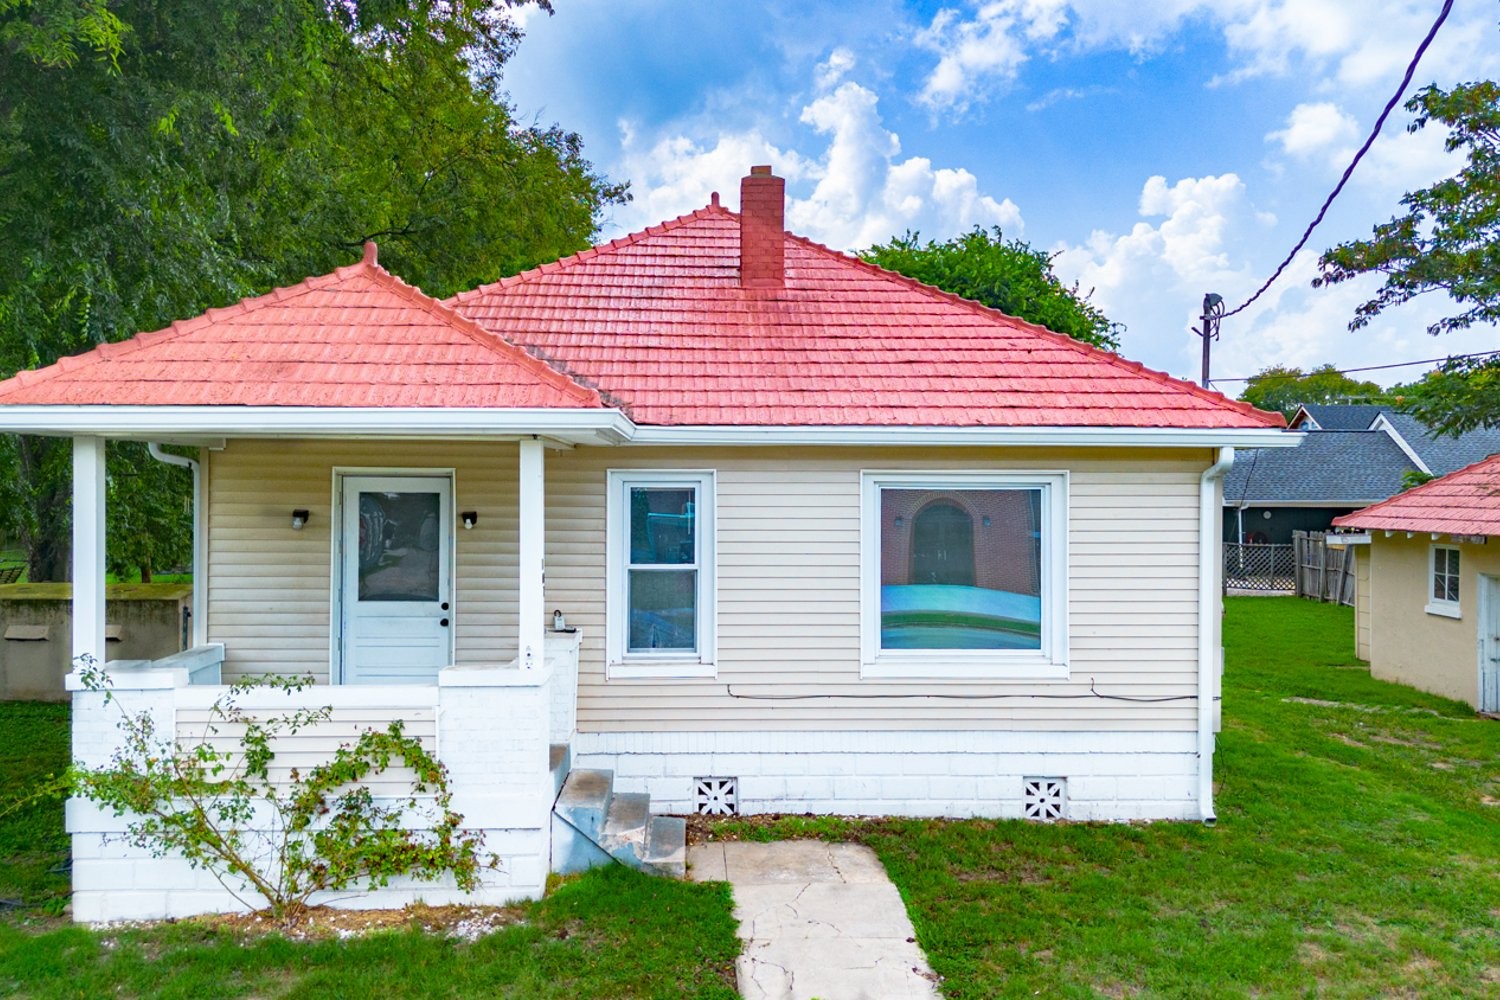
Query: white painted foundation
point(1110, 776)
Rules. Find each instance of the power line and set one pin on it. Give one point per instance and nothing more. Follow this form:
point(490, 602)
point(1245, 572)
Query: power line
point(1376, 368)
point(1411, 69)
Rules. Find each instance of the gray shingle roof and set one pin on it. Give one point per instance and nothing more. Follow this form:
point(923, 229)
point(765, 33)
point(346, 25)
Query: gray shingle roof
point(1344, 416)
point(1329, 468)
point(1445, 454)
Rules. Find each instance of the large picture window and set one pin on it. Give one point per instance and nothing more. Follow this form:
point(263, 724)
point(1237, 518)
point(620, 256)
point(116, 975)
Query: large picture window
point(661, 596)
point(964, 574)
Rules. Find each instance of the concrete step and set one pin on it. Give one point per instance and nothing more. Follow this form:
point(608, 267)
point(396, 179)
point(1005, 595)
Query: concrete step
point(585, 800)
point(559, 760)
point(666, 846)
point(625, 827)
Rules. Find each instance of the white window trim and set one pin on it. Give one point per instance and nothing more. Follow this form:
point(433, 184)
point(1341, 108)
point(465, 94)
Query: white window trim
point(1447, 609)
point(620, 664)
point(1048, 663)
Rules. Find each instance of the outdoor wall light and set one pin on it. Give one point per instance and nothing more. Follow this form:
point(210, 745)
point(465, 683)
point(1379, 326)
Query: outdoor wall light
point(470, 518)
point(299, 518)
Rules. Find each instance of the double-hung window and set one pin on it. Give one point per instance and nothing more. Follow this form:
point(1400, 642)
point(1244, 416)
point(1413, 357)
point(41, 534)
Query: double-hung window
point(661, 574)
point(1442, 590)
point(964, 575)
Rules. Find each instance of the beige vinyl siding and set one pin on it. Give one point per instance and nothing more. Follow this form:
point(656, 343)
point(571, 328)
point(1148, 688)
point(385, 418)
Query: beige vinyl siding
point(788, 524)
point(269, 592)
point(788, 580)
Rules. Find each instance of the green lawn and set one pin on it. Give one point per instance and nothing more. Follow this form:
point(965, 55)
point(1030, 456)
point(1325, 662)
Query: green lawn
point(1357, 851)
point(1357, 854)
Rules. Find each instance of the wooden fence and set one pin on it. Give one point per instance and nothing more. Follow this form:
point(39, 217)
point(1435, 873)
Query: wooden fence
point(1323, 574)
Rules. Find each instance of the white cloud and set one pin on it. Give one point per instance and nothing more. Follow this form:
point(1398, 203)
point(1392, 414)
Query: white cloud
point(992, 45)
point(862, 190)
point(1314, 128)
point(838, 65)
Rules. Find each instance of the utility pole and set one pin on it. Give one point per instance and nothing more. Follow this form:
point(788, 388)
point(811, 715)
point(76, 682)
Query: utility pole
point(1213, 311)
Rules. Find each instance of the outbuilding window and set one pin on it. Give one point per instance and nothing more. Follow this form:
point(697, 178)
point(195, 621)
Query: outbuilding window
point(660, 603)
point(965, 574)
point(1443, 591)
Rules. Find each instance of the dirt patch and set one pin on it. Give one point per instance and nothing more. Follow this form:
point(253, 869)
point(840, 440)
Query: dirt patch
point(466, 923)
point(1311, 953)
point(1405, 741)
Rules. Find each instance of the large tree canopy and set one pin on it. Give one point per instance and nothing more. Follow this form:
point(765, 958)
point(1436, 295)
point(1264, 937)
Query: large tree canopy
point(160, 157)
point(1284, 389)
point(1003, 274)
point(1448, 241)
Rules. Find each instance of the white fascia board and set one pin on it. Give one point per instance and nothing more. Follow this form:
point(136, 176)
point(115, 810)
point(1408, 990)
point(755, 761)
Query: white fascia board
point(1353, 505)
point(1382, 424)
point(157, 423)
point(1109, 437)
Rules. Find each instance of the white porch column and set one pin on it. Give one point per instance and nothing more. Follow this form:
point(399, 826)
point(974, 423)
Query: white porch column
point(532, 526)
point(88, 549)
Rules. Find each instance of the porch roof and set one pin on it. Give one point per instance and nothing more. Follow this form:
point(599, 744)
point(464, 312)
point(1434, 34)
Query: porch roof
point(357, 338)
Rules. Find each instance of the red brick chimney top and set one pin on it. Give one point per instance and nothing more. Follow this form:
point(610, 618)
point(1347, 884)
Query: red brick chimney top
point(762, 229)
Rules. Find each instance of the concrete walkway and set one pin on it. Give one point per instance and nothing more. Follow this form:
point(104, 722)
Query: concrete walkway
point(818, 920)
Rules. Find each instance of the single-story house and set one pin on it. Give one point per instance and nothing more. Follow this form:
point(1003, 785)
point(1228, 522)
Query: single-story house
point(1427, 598)
point(1353, 455)
point(709, 514)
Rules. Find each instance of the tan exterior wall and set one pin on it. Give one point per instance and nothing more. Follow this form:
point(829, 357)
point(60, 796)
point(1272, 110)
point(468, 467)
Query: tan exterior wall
point(1407, 644)
point(788, 533)
point(1361, 555)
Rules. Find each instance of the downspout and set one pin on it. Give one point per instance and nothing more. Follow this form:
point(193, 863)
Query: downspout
point(200, 578)
point(1209, 606)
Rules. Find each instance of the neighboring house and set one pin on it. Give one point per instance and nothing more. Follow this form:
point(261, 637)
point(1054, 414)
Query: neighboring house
point(1427, 604)
point(1352, 456)
point(833, 540)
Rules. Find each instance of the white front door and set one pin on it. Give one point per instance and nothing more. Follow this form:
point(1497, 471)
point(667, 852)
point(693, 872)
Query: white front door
point(395, 567)
point(1489, 643)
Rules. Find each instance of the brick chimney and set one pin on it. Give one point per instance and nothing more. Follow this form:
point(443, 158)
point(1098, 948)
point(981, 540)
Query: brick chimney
point(762, 229)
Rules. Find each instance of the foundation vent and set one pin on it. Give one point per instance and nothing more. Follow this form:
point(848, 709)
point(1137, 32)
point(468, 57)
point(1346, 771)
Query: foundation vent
point(1043, 798)
point(716, 796)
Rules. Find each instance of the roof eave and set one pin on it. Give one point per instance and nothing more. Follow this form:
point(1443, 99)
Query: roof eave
point(593, 425)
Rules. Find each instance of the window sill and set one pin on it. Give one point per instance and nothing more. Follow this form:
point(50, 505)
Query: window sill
point(1444, 610)
point(984, 669)
point(661, 670)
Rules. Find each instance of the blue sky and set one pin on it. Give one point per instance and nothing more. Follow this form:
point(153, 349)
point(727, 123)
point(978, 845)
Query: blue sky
point(1161, 150)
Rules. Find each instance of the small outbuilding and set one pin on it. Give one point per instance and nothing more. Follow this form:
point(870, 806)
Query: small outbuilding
point(1427, 606)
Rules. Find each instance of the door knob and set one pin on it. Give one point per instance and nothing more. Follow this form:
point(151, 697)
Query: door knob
point(444, 605)
point(443, 622)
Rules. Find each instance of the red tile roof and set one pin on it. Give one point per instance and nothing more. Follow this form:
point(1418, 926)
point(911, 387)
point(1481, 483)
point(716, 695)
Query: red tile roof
point(1466, 502)
point(356, 337)
point(659, 322)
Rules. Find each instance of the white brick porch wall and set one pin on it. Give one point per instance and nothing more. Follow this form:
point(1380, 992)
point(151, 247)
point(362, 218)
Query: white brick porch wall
point(1111, 776)
point(492, 733)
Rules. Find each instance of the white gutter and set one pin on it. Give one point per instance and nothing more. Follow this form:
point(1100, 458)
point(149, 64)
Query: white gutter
point(153, 423)
point(200, 572)
point(1122, 437)
point(578, 426)
point(1209, 610)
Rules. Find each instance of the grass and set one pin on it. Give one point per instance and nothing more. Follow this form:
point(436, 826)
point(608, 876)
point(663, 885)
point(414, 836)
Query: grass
point(1357, 855)
point(1357, 852)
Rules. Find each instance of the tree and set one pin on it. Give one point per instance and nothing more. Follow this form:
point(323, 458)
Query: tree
point(1007, 275)
point(161, 157)
point(1448, 240)
point(1284, 389)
